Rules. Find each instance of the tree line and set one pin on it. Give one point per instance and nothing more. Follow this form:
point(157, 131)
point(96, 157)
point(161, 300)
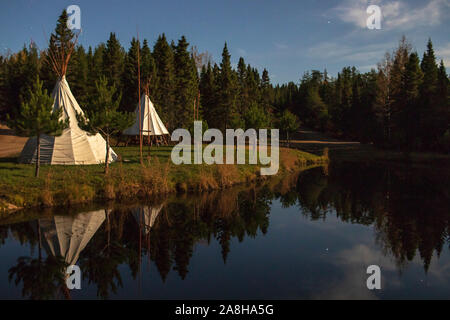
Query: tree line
point(402, 104)
point(176, 76)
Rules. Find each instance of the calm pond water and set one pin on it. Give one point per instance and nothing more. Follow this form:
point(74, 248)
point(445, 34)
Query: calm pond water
point(310, 236)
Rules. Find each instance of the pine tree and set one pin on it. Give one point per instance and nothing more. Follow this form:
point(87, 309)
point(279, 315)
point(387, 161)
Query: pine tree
point(20, 72)
point(227, 95)
point(369, 126)
point(208, 93)
point(243, 101)
point(288, 124)
point(78, 75)
point(165, 70)
point(36, 118)
point(59, 46)
point(256, 118)
point(443, 106)
point(62, 36)
point(113, 62)
point(408, 116)
point(186, 85)
point(383, 101)
point(31, 69)
point(148, 69)
point(443, 83)
point(95, 63)
point(130, 78)
point(429, 112)
point(266, 92)
point(252, 87)
point(103, 117)
point(355, 114)
point(430, 71)
point(396, 88)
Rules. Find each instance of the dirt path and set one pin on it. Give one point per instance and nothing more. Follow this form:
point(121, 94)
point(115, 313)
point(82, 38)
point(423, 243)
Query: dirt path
point(10, 145)
point(307, 140)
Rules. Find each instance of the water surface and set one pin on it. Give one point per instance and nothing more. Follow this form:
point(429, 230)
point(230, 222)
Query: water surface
point(309, 236)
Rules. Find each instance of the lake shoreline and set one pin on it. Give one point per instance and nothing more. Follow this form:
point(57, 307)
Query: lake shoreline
point(65, 186)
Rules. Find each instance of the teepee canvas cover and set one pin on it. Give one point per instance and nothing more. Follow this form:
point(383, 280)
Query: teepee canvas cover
point(154, 127)
point(74, 146)
point(67, 236)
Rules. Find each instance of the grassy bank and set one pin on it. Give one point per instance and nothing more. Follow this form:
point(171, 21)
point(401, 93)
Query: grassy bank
point(128, 178)
point(347, 150)
point(369, 153)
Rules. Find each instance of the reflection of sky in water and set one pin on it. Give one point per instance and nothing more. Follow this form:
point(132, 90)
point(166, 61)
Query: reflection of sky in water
point(297, 258)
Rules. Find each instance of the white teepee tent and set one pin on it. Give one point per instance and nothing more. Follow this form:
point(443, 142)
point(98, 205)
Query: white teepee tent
point(67, 236)
point(74, 146)
point(151, 124)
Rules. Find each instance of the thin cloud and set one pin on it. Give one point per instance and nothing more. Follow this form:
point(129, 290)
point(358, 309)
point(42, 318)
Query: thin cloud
point(341, 52)
point(395, 14)
point(281, 46)
point(241, 52)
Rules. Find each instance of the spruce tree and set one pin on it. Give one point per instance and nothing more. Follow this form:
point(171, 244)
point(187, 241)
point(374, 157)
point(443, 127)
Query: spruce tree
point(252, 87)
point(130, 78)
point(227, 95)
point(78, 75)
point(148, 69)
point(165, 70)
point(102, 115)
point(62, 36)
point(95, 66)
point(186, 85)
point(383, 101)
point(429, 111)
point(36, 118)
point(430, 71)
point(443, 103)
point(242, 102)
point(396, 88)
point(266, 92)
point(443, 84)
point(59, 46)
point(208, 93)
point(113, 62)
point(370, 131)
point(17, 80)
point(412, 82)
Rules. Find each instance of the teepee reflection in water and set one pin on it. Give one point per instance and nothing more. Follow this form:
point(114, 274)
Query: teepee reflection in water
point(67, 236)
point(146, 216)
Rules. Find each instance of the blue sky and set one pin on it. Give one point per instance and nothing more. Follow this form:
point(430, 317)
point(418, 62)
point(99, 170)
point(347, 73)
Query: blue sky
point(286, 37)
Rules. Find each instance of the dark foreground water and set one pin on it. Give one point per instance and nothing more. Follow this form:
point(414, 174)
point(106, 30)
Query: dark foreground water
point(311, 236)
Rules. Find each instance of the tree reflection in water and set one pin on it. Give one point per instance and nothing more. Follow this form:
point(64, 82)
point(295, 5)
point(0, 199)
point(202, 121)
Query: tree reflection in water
point(408, 208)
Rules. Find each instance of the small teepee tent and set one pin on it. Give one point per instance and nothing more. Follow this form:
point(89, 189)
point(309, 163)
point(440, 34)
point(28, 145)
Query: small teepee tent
point(151, 124)
point(74, 146)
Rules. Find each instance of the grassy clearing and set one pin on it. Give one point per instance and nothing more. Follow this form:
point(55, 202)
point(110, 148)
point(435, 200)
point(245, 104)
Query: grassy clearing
point(128, 178)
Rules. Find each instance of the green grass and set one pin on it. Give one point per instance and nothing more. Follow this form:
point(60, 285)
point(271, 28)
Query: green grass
point(128, 178)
